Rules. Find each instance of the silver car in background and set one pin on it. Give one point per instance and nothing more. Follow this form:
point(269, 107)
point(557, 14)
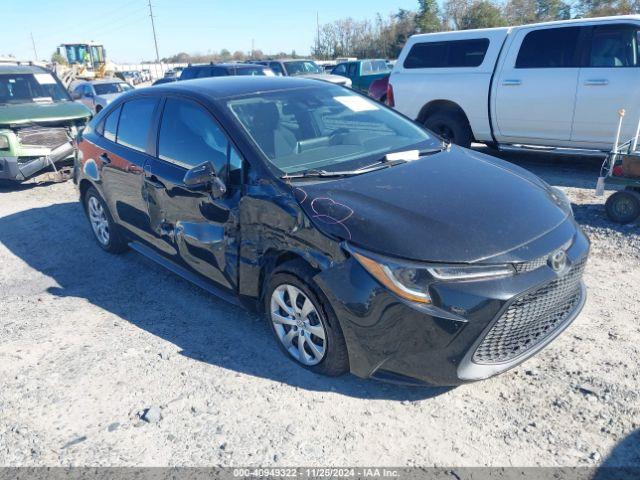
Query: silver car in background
point(97, 94)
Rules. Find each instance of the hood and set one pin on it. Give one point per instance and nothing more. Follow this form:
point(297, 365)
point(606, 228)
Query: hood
point(32, 112)
point(456, 206)
point(107, 98)
point(328, 78)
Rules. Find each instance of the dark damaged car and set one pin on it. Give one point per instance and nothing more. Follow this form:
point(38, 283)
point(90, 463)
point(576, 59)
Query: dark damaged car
point(38, 121)
point(370, 244)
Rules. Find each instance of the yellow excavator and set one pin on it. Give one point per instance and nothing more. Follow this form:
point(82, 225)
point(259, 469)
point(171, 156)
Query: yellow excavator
point(86, 61)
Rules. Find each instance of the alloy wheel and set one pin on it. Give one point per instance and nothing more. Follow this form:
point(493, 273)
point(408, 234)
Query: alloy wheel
point(298, 324)
point(98, 219)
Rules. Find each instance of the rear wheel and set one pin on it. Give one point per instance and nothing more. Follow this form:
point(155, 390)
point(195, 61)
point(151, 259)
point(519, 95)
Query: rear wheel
point(306, 330)
point(451, 126)
point(623, 206)
point(105, 230)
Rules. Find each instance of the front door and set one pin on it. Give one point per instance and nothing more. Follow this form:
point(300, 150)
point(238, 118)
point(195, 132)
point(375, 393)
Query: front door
point(201, 229)
point(610, 81)
point(535, 90)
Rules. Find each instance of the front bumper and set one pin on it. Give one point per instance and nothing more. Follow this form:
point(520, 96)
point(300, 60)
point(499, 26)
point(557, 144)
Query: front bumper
point(403, 342)
point(15, 168)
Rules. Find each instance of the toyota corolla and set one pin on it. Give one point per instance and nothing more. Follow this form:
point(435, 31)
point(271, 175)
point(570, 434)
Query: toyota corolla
point(370, 244)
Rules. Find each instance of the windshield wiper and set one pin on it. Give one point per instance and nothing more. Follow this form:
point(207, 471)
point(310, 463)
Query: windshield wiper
point(389, 160)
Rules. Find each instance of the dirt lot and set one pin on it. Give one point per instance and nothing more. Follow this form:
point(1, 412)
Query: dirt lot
point(89, 341)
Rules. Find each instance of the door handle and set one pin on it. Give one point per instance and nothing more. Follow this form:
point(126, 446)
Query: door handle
point(104, 158)
point(512, 83)
point(153, 181)
point(597, 82)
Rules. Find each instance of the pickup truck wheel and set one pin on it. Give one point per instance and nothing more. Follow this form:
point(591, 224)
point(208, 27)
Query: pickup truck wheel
point(623, 206)
point(105, 230)
point(451, 126)
point(305, 331)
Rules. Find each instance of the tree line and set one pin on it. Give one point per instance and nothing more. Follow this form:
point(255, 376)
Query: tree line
point(385, 36)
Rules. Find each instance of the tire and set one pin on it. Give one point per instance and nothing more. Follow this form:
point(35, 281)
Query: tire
point(105, 231)
point(451, 126)
point(623, 206)
point(333, 360)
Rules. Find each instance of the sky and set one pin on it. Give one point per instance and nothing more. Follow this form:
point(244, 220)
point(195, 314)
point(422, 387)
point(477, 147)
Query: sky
point(192, 26)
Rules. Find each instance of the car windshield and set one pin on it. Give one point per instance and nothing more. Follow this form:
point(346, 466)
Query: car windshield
point(261, 71)
point(325, 127)
point(31, 88)
point(302, 67)
point(107, 88)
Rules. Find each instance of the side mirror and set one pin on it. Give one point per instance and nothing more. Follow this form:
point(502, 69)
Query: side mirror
point(203, 177)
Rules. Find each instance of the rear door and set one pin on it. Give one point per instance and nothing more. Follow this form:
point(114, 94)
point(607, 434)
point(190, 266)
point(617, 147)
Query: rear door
point(609, 81)
point(200, 230)
point(535, 89)
point(123, 153)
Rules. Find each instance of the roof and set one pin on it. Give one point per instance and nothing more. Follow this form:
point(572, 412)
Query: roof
point(225, 65)
point(235, 86)
point(17, 69)
point(579, 21)
point(101, 80)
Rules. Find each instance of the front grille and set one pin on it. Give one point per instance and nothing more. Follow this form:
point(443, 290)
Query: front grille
point(532, 265)
point(43, 137)
point(531, 319)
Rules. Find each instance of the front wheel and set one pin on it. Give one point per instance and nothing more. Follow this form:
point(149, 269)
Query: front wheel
point(307, 333)
point(623, 206)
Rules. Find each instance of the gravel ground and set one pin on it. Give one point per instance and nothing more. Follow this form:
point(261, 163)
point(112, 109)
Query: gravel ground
point(114, 361)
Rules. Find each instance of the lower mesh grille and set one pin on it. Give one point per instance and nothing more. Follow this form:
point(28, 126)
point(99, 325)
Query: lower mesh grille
point(43, 137)
point(532, 318)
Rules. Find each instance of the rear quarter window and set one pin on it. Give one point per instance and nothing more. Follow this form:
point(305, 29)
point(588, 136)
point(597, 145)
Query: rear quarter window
point(447, 54)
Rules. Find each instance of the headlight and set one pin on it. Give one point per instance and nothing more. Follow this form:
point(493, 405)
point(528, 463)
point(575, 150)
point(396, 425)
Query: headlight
point(4, 143)
point(403, 281)
point(411, 281)
point(561, 200)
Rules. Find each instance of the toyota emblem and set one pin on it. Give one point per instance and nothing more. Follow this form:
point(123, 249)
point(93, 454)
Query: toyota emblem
point(558, 261)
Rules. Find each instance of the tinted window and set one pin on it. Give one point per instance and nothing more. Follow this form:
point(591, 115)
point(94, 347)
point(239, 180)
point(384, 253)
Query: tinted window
point(614, 46)
point(188, 73)
point(352, 69)
point(549, 48)
point(135, 121)
point(455, 53)
point(250, 71)
point(189, 136)
point(111, 125)
point(340, 69)
point(277, 68)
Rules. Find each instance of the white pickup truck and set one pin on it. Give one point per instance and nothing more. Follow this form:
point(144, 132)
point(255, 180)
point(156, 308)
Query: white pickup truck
point(551, 86)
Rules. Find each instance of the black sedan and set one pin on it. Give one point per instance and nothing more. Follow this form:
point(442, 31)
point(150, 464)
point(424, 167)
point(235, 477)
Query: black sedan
point(370, 244)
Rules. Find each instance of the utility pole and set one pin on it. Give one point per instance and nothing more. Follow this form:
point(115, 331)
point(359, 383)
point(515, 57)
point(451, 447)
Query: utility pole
point(155, 40)
point(253, 48)
point(35, 52)
point(317, 33)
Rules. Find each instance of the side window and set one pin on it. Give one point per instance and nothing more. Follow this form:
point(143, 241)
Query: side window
point(135, 121)
point(111, 125)
point(189, 136)
point(450, 54)
point(614, 46)
point(277, 68)
point(549, 48)
point(340, 69)
point(88, 91)
point(367, 67)
point(188, 73)
point(352, 70)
